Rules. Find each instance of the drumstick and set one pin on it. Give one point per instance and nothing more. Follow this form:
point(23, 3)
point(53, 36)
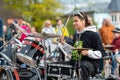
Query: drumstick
point(19, 28)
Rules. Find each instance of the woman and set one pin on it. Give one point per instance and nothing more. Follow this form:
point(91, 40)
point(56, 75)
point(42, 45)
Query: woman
point(47, 28)
point(25, 26)
point(88, 59)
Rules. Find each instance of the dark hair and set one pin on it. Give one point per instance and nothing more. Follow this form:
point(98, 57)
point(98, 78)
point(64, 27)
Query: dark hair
point(58, 19)
point(82, 16)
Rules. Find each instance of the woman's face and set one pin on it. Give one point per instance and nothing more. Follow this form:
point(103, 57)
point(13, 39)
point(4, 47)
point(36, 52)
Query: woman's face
point(59, 22)
point(78, 23)
point(48, 24)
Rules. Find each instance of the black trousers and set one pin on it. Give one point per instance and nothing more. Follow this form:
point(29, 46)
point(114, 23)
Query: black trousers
point(88, 69)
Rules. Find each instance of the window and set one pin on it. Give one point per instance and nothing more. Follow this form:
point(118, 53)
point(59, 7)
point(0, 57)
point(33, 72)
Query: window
point(114, 18)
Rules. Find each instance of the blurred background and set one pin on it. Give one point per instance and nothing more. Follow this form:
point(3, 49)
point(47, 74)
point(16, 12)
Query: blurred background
point(37, 11)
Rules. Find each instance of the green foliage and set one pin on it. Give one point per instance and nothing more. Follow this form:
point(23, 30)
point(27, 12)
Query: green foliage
point(35, 11)
point(70, 26)
point(75, 53)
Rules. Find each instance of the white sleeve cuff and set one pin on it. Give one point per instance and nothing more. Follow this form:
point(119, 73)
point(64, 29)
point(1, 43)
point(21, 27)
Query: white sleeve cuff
point(94, 54)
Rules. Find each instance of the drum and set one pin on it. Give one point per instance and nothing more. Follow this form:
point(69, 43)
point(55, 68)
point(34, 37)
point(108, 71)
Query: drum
point(20, 74)
point(31, 52)
point(117, 58)
point(54, 56)
point(10, 49)
point(3, 63)
point(59, 70)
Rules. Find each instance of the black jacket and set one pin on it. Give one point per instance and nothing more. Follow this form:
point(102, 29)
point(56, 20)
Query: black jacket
point(91, 40)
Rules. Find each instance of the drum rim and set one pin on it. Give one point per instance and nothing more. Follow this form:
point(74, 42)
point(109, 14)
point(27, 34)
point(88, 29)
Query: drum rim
point(6, 57)
point(32, 61)
point(31, 39)
point(60, 65)
point(39, 47)
point(13, 73)
point(18, 41)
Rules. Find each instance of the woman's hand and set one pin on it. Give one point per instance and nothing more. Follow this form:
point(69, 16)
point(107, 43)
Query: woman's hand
point(62, 40)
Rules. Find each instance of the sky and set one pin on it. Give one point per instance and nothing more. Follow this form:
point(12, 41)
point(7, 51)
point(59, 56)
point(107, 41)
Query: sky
point(69, 5)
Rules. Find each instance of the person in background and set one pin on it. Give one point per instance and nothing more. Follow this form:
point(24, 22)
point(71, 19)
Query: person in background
point(62, 30)
point(115, 49)
point(33, 30)
point(1, 34)
point(4, 33)
point(1, 41)
point(48, 29)
point(23, 34)
point(11, 31)
point(107, 37)
point(26, 27)
point(90, 24)
point(105, 32)
point(90, 21)
point(116, 41)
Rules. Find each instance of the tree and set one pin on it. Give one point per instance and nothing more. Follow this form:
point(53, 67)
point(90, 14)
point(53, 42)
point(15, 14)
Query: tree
point(70, 26)
point(35, 11)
